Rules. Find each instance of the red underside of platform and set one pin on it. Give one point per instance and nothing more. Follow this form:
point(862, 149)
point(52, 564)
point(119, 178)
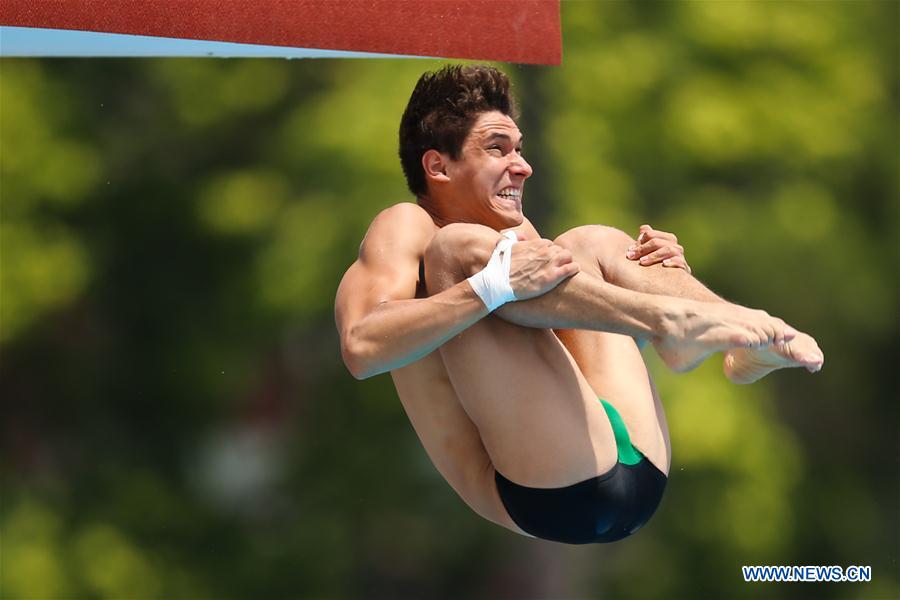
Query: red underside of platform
point(522, 31)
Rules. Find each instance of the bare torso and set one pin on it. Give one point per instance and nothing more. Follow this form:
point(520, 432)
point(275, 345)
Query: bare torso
point(449, 437)
point(433, 408)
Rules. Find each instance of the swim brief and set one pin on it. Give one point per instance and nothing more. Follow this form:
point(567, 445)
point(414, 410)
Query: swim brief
point(605, 508)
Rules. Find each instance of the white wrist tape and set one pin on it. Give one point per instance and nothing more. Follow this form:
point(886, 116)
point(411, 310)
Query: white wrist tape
point(492, 283)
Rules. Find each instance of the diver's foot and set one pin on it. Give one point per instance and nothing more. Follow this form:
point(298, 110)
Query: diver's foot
point(699, 329)
point(746, 365)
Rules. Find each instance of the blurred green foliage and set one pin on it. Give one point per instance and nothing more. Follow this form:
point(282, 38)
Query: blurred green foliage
point(176, 418)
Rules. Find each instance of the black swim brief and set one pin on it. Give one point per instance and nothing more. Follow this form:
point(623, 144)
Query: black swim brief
point(605, 508)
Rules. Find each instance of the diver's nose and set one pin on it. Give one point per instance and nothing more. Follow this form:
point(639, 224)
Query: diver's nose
point(519, 166)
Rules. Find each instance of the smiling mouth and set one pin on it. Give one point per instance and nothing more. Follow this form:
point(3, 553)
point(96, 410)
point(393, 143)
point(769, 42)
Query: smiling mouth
point(510, 194)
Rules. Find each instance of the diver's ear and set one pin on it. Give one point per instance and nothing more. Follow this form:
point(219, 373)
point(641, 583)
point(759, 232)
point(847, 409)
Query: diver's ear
point(435, 165)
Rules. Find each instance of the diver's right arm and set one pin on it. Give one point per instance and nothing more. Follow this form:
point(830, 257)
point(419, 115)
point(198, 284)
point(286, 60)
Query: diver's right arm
point(382, 325)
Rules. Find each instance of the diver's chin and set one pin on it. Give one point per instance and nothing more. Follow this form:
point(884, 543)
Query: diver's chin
point(509, 219)
point(504, 215)
point(517, 218)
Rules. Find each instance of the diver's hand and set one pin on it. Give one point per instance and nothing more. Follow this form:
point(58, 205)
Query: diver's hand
point(538, 266)
point(655, 247)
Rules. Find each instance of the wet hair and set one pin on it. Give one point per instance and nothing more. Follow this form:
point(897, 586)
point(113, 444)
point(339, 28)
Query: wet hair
point(442, 110)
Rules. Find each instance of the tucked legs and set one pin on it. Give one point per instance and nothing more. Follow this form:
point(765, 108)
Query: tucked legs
point(538, 417)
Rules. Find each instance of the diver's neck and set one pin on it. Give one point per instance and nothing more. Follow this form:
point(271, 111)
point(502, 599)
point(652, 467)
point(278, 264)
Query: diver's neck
point(432, 207)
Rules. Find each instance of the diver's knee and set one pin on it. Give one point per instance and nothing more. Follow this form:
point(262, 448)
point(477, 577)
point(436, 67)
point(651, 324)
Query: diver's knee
point(596, 248)
point(593, 239)
point(463, 246)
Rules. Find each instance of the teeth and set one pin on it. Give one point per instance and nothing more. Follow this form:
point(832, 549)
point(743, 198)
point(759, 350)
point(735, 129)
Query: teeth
point(509, 193)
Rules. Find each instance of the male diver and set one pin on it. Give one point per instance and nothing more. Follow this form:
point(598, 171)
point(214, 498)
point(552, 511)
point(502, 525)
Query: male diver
point(516, 358)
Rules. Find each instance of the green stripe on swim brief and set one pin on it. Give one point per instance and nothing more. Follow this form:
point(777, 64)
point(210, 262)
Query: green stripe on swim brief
point(628, 454)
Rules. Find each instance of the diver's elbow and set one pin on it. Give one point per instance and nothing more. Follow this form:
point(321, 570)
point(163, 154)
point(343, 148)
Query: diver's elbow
point(356, 358)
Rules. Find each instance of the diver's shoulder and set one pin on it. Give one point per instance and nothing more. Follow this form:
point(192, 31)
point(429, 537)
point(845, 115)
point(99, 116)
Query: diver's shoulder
point(407, 216)
point(406, 211)
point(404, 221)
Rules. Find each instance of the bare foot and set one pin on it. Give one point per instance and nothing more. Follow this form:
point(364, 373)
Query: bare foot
point(746, 365)
point(699, 329)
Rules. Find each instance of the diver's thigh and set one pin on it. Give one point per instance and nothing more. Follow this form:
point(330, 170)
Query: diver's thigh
point(449, 436)
point(615, 370)
point(539, 419)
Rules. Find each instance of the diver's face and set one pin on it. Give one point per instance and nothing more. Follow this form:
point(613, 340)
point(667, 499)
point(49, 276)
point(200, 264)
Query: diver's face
point(489, 177)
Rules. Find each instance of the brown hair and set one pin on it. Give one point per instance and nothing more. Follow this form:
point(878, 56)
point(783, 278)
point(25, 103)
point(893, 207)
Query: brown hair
point(441, 111)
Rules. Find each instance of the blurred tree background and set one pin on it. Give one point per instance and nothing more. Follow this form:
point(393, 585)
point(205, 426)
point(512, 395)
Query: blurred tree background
point(176, 420)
